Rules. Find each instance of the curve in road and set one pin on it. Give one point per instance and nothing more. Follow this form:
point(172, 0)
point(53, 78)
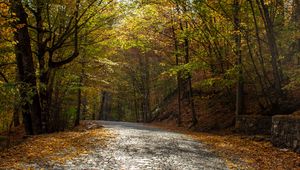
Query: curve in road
point(138, 147)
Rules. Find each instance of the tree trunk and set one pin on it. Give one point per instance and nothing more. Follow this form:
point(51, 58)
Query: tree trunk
point(176, 48)
point(105, 105)
point(272, 47)
point(296, 17)
point(77, 120)
point(259, 43)
point(136, 109)
point(147, 90)
point(186, 47)
point(44, 73)
point(79, 95)
point(145, 86)
point(16, 114)
point(26, 70)
point(237, 37)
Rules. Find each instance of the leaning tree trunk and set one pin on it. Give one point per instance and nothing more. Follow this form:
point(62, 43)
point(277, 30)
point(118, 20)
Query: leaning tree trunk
point(272, 47)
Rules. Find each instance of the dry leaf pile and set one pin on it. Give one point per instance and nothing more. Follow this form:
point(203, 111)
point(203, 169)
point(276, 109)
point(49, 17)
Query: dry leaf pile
point(57, 148)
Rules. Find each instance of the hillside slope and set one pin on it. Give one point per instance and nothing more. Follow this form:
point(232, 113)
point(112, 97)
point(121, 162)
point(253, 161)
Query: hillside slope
point(213, 113)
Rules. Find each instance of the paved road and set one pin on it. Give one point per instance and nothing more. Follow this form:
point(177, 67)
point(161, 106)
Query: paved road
point(139, 147)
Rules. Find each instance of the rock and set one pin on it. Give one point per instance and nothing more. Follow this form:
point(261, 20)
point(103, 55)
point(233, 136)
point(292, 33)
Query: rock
point(3, 142)
point(286, 132)
point(254, 124)
point(284, 150)
point(297, 113)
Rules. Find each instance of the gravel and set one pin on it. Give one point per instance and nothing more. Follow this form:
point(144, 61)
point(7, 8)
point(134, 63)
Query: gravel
point(138, 147)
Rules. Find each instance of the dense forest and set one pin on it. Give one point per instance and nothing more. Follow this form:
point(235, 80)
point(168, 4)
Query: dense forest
point(63, 61)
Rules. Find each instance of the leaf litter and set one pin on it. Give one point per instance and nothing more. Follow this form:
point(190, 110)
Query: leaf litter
point(243, 152)
point(56, 148)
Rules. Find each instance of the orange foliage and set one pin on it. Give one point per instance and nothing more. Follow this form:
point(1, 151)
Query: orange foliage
point(57, 148)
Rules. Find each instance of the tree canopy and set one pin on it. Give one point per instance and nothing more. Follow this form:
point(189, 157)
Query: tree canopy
point(64, 61)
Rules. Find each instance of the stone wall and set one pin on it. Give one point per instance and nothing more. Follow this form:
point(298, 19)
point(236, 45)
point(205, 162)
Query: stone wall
point(3, 142)
point(253, 124)
point(286, 132)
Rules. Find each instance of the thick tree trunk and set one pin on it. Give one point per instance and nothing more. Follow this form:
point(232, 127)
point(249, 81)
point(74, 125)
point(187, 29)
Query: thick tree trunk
point(26, 70)
point(44, 73)
point(16, 114)
point(16, 117)
point(45, 99)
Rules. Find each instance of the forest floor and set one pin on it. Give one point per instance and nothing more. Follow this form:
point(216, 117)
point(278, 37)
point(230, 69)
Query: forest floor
point(240, 151)
point(120, 145)
point(48, 150)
